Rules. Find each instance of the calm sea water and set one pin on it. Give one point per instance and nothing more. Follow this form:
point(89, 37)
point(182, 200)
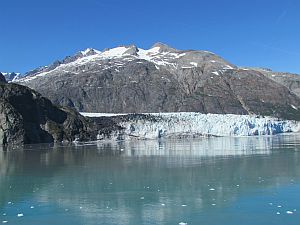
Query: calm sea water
point(249, 180)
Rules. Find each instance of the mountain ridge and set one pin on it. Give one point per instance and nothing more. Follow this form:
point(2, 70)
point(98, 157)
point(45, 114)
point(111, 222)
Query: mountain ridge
point(128, 79)
point(92, 51)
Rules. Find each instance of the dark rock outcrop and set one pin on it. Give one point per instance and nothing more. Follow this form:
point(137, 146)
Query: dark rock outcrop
point(26, 117)
point(11, 76)
point(2, 78)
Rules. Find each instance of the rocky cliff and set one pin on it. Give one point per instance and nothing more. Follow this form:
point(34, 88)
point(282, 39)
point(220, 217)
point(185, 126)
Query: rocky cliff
point(26, 117)
point(2, 78)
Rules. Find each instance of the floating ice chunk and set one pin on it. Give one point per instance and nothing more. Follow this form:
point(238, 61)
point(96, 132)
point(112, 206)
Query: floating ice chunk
point(183, 205)
point(32, 207)
point(162, 204)
point(213, 204)
point(289, 212)
point(278, 213)
point(4, 221)
point(279, 206)
point(182, 223)
point(212, 189)
point(142, 198)
point(20, 214)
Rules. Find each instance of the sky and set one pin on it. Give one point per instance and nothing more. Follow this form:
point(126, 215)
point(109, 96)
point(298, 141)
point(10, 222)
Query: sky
point(258, 33)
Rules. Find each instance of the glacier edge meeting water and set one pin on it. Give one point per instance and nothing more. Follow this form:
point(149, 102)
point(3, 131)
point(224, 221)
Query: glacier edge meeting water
point(159, 125)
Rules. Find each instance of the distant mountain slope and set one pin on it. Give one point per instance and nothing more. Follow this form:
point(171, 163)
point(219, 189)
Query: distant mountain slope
point(162, 79)
point(11, 76)
point(290, 80)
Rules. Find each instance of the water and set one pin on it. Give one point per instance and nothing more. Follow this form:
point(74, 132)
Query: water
point(250, 180)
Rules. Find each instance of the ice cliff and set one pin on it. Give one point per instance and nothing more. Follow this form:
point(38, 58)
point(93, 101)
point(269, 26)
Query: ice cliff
point(158, 125)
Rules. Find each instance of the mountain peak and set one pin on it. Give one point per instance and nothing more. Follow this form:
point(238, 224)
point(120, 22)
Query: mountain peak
point(120, 51)
point(131, 50)
point(163, 47)
point(89, 51)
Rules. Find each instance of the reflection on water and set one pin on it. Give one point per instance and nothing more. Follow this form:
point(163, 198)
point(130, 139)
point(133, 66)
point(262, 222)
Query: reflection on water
point(212, 180)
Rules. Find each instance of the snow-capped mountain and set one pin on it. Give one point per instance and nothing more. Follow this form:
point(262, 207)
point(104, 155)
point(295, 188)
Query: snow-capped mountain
point(161, 55)
point(160, 79)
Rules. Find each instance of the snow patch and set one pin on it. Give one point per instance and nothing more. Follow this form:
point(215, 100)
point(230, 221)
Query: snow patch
point(294, 107)
point(114, 52)
point(87, 114)
point(227, 67)
point(86, 51)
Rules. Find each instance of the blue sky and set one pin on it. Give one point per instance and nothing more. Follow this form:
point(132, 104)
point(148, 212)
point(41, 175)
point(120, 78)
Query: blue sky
point(262, 33)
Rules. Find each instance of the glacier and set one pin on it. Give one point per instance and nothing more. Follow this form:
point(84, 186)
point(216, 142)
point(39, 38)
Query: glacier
point(192, 124)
